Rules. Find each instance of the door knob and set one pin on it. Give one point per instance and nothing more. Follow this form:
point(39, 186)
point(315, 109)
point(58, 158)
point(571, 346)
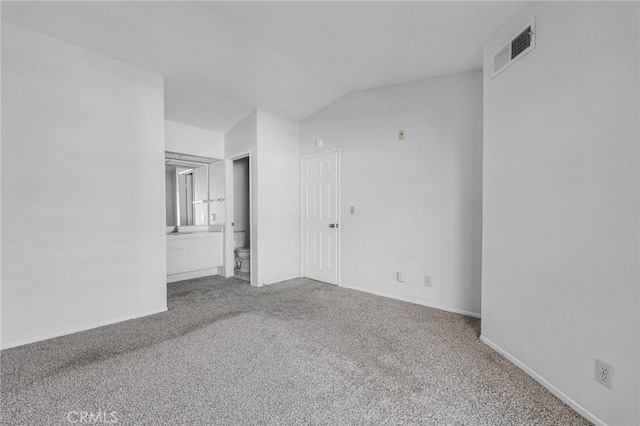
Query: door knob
point(333, 225)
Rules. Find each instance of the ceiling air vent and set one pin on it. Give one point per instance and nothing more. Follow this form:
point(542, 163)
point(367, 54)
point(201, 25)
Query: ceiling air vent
point(517, 46)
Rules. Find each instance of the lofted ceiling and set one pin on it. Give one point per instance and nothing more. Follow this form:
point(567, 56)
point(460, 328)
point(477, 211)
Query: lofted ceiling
point(221, 60)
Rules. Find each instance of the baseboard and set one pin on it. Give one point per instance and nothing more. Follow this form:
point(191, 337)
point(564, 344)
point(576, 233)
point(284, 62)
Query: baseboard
point(538, 378)
point(417, 302)
point(284, 279)
point(181, 276)
point(79, 329)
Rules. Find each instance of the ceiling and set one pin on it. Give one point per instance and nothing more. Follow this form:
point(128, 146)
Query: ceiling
point(221, 60)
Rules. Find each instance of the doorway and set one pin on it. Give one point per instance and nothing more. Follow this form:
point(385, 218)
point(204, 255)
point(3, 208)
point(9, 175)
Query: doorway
point(241, 220)
point(320, 227)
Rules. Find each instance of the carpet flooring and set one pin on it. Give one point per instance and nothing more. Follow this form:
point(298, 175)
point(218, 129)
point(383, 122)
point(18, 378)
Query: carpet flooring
point(293, 353)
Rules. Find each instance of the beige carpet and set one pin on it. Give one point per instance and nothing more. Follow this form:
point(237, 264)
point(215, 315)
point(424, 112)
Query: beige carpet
point(298, 352)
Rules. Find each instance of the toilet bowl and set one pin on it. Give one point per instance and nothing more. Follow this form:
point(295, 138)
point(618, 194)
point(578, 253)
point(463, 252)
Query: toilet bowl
point(243, 262)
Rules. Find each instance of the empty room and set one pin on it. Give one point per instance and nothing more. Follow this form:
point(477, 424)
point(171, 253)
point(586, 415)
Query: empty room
point(327, 213)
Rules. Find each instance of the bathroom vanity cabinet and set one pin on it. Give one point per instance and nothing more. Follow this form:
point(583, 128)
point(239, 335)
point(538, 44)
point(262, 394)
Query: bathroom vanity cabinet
point(190, 255)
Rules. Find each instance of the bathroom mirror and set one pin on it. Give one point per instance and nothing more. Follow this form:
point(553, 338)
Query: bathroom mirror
point(187, 190)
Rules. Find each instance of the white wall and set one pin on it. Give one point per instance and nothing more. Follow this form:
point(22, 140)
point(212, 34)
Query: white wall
point(278, 198)
point(193, 140)
point(83, 202)
point(417, 201)
point(243, 137)
point(560, 217)
point(275, 193)
point(1, 225)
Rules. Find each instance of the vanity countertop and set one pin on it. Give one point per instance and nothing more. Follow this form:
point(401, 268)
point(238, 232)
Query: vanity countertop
point(192, 234)
point(191, 230)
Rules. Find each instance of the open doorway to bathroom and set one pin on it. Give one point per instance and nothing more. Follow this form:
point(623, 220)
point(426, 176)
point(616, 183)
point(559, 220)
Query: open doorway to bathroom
point(241, 219)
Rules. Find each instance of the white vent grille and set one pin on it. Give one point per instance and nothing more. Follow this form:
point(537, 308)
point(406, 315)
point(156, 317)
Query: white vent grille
point(518, 45)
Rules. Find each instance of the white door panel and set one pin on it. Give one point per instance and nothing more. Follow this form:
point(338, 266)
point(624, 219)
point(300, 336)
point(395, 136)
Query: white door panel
point(320, 217)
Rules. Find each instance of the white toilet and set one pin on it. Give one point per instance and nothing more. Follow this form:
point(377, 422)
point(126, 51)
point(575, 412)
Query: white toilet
point(242, 251)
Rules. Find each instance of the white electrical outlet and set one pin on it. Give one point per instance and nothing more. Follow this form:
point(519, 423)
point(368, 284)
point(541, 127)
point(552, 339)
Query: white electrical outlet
point(400, 277)
point(604, 373)
point(427, 281)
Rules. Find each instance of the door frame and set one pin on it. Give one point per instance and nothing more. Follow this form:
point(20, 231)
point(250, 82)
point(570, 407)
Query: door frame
point(338, 212)
point(230, 213)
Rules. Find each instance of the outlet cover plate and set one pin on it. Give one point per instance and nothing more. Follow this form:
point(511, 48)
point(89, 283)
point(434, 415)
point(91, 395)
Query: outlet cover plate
point(604, 373)
point(400, 277)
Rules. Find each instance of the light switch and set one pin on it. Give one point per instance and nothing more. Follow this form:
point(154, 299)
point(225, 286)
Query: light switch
point(401, 135)
point(352, 210)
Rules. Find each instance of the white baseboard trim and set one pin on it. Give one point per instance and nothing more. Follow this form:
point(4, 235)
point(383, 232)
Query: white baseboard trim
point(284, 279)
point(181, 276)
point(538, 378)
point(417, 302)
point(79, 329)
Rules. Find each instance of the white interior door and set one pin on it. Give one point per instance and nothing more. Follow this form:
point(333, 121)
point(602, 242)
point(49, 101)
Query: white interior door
point(320, 217)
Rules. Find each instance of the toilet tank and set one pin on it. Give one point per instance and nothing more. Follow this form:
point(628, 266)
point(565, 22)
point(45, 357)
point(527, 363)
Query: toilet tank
point(239, 239)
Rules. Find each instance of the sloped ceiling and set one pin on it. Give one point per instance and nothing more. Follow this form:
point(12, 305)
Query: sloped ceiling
point(221, 60)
